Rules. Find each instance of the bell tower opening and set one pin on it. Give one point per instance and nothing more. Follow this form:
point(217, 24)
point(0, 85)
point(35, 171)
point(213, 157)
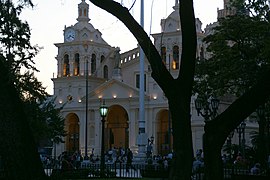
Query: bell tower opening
point(83, 11)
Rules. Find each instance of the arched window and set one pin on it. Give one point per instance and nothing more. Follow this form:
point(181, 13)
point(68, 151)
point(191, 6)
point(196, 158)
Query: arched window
point(77, 64)
point(93, 64)
point(84, 12)
point(105, 72)
point(80, 12)
point(102, 58)
point(175, 63)
point(66, 65)
point(163, 54)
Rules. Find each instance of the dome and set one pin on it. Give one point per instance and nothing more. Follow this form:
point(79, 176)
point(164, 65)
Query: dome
point(172, 22)
point(82, 24)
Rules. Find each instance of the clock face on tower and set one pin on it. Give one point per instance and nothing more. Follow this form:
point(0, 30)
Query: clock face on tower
point(69, 35)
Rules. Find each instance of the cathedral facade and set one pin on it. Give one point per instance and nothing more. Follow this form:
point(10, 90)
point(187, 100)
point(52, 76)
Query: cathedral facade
point(91, 72)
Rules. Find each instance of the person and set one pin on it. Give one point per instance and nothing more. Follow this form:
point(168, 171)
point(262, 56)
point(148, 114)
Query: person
point(129, 155)
point(197, 164)
point(149, 151)
point(255, 170)
point(66, 165)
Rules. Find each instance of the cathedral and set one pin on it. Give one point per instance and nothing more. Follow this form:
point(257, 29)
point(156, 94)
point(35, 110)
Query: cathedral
point(90, 72)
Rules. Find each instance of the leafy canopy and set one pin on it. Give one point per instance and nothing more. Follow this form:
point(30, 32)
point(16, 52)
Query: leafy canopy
point(17, 55)
point(239, 53)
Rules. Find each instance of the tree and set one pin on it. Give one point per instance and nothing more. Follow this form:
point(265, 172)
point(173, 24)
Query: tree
point(239, 65)
point(179, 96)
point(19, 155)
point(23, 99)
point(45, 121)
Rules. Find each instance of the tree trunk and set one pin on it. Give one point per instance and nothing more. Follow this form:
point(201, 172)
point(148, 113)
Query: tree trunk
point(212, 159)
point(19, 155)
point(182, 140)
point(218, 129)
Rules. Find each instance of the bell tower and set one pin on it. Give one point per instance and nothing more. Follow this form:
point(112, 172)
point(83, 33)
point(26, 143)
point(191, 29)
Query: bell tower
point(228, 9)
point(83, 12)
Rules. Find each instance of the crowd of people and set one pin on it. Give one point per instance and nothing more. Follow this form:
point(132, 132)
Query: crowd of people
point(66, 161)
point(237, 160)
point(121, 155)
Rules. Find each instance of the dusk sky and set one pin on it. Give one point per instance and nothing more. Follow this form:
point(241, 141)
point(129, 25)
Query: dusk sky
point(48, 19)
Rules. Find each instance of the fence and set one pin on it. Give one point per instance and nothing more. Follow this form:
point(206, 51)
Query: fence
point(113, 170)
point(88, 170)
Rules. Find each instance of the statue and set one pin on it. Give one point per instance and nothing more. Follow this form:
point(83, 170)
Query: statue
point(117, 58)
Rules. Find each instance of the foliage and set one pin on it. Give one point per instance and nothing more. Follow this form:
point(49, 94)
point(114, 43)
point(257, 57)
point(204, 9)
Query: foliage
point(234, 149)
point(15, 40)
point(239, 49)
point(18, 54)
point(255, 8)
point(45, 120)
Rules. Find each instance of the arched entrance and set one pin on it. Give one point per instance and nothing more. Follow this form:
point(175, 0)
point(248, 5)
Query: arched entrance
point(164, 135)
point(117, 132)
point(72, 138)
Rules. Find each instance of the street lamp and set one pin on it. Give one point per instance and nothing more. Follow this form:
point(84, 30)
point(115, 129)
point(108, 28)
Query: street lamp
point(103, 113)
point(207, 109)
point(241, 131)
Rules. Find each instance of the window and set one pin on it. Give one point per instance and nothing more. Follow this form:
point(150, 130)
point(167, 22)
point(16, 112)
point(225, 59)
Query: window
point(77, 64)
point(105, 72)
point(138, 81)
point(163, 54)
point(93, 64)
point(66, 65)
point(102, 58)
point(175, 63)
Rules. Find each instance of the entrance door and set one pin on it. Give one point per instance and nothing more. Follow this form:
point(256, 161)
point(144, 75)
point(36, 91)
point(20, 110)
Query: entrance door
point(164, 135)
point(117, 128)
point(72, 138)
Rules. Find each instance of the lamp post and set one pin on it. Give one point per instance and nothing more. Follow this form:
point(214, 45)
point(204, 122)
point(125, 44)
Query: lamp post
point(241, 131)
point(207, 109)
point(103, 113)
point(86, 101)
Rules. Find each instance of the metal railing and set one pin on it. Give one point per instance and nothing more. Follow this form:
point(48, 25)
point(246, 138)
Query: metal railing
point(122, 170)
point(116, 170)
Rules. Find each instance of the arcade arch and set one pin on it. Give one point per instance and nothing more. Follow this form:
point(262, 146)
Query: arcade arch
point(117, 129)
point(72, 129)
point(164, 135)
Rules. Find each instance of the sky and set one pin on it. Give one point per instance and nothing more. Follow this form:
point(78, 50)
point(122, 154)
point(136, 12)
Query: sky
point(49, 17)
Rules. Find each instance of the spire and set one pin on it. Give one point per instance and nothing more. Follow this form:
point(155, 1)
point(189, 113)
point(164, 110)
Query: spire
point(83, 11)
point(176, 7)
point(176, 2)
